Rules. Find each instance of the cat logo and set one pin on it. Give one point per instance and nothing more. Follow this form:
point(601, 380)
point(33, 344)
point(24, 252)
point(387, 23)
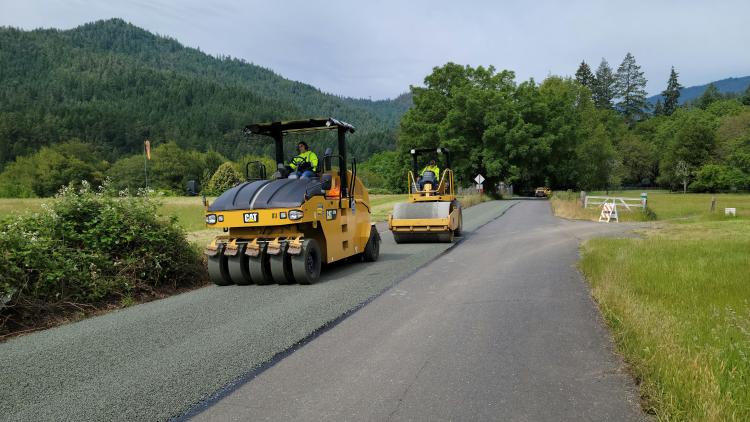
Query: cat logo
point(251, 217)
point(331, 214)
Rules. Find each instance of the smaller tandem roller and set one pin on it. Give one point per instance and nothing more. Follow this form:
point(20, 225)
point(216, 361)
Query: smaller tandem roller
point(283, 230)
point(432, 214)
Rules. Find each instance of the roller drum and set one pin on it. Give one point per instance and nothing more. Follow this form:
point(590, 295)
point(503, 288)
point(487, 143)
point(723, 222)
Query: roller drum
point(414, 210)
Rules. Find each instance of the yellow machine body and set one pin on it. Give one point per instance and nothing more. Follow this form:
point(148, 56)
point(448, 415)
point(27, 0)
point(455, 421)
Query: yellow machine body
point(284, 228)
point(431, 214)
point(340, 229)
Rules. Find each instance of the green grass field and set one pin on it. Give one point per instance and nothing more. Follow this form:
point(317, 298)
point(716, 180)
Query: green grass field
point(188, 210)
point(190, 214)
point(382, 205)
point(678, 303)
point(666, 205)
point(9, 206)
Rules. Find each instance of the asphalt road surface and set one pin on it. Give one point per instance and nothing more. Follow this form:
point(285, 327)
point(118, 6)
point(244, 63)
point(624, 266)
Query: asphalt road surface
point(159, 360)
point(502, 327)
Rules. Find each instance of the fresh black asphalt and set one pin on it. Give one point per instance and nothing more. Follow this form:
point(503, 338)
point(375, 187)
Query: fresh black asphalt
point(501, 327)
point(159, 360)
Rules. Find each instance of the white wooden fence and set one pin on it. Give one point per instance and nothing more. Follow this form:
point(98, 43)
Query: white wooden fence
point(628, 203)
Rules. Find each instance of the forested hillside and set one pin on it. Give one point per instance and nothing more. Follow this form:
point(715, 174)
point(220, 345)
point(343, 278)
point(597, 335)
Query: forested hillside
point(732, 86)
point(112, 84)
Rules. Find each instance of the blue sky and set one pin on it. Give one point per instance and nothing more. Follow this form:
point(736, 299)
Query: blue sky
point(378, 48)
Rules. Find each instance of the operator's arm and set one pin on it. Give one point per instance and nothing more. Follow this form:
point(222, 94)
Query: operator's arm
point(293, 162)
point(313, 161)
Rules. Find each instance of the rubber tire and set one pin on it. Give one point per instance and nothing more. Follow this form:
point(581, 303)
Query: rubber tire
point(239, 271)
point(281, 267)
point(218, 270)
point(260, 270)
point(372, 248)
point(306, 266)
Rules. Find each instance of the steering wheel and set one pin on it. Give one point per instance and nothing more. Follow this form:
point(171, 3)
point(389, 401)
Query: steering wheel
point(296, 159)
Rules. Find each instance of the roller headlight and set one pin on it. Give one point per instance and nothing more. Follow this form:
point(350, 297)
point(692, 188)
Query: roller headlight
point(221, 218)
point(211, 219)
point(295, 214)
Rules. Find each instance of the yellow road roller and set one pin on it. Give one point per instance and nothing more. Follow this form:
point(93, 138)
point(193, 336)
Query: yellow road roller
point(284, 228)
point(432, 213)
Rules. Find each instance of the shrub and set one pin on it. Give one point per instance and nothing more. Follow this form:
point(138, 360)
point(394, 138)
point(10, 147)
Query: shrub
point(89, 248)
point(713, 178)
point(225, 177)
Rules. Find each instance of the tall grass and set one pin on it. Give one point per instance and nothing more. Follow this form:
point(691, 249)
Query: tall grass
point(678, 303)
point(473, 199)
point(189, 211)
point(14, 206)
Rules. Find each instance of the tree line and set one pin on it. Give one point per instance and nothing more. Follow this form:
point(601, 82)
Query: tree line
point(593, 131)
point(78, 104)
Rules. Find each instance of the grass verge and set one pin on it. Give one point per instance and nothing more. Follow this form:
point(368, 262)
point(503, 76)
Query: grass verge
point(473, 199)
point(678, 305)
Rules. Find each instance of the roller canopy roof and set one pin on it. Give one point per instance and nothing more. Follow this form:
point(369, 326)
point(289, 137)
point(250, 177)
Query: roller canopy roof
point(297, 126)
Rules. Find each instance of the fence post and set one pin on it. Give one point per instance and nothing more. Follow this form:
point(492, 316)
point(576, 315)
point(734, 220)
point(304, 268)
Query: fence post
point(644, 200)
point(584, 199)
point(713, 203)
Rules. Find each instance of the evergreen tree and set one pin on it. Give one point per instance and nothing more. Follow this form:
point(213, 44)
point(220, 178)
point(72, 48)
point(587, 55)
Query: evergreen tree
point(630, 86)
point(710, 95)
point(604, 86)
point(746, 96)
point(584, 76)
point(671, 94)
point(659, 109)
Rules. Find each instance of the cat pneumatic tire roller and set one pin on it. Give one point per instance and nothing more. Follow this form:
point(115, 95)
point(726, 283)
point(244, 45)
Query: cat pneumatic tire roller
point(283, 229)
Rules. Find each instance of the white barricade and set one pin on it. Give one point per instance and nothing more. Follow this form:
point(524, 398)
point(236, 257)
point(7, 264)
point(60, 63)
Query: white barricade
point(609, 212)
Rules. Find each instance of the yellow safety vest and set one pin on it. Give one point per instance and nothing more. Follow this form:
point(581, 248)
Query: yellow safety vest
point(433, 169)
point(307, 157)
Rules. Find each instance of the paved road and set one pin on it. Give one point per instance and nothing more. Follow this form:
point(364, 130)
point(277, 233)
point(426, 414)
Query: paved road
point(500, 328)
point(156, 360)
